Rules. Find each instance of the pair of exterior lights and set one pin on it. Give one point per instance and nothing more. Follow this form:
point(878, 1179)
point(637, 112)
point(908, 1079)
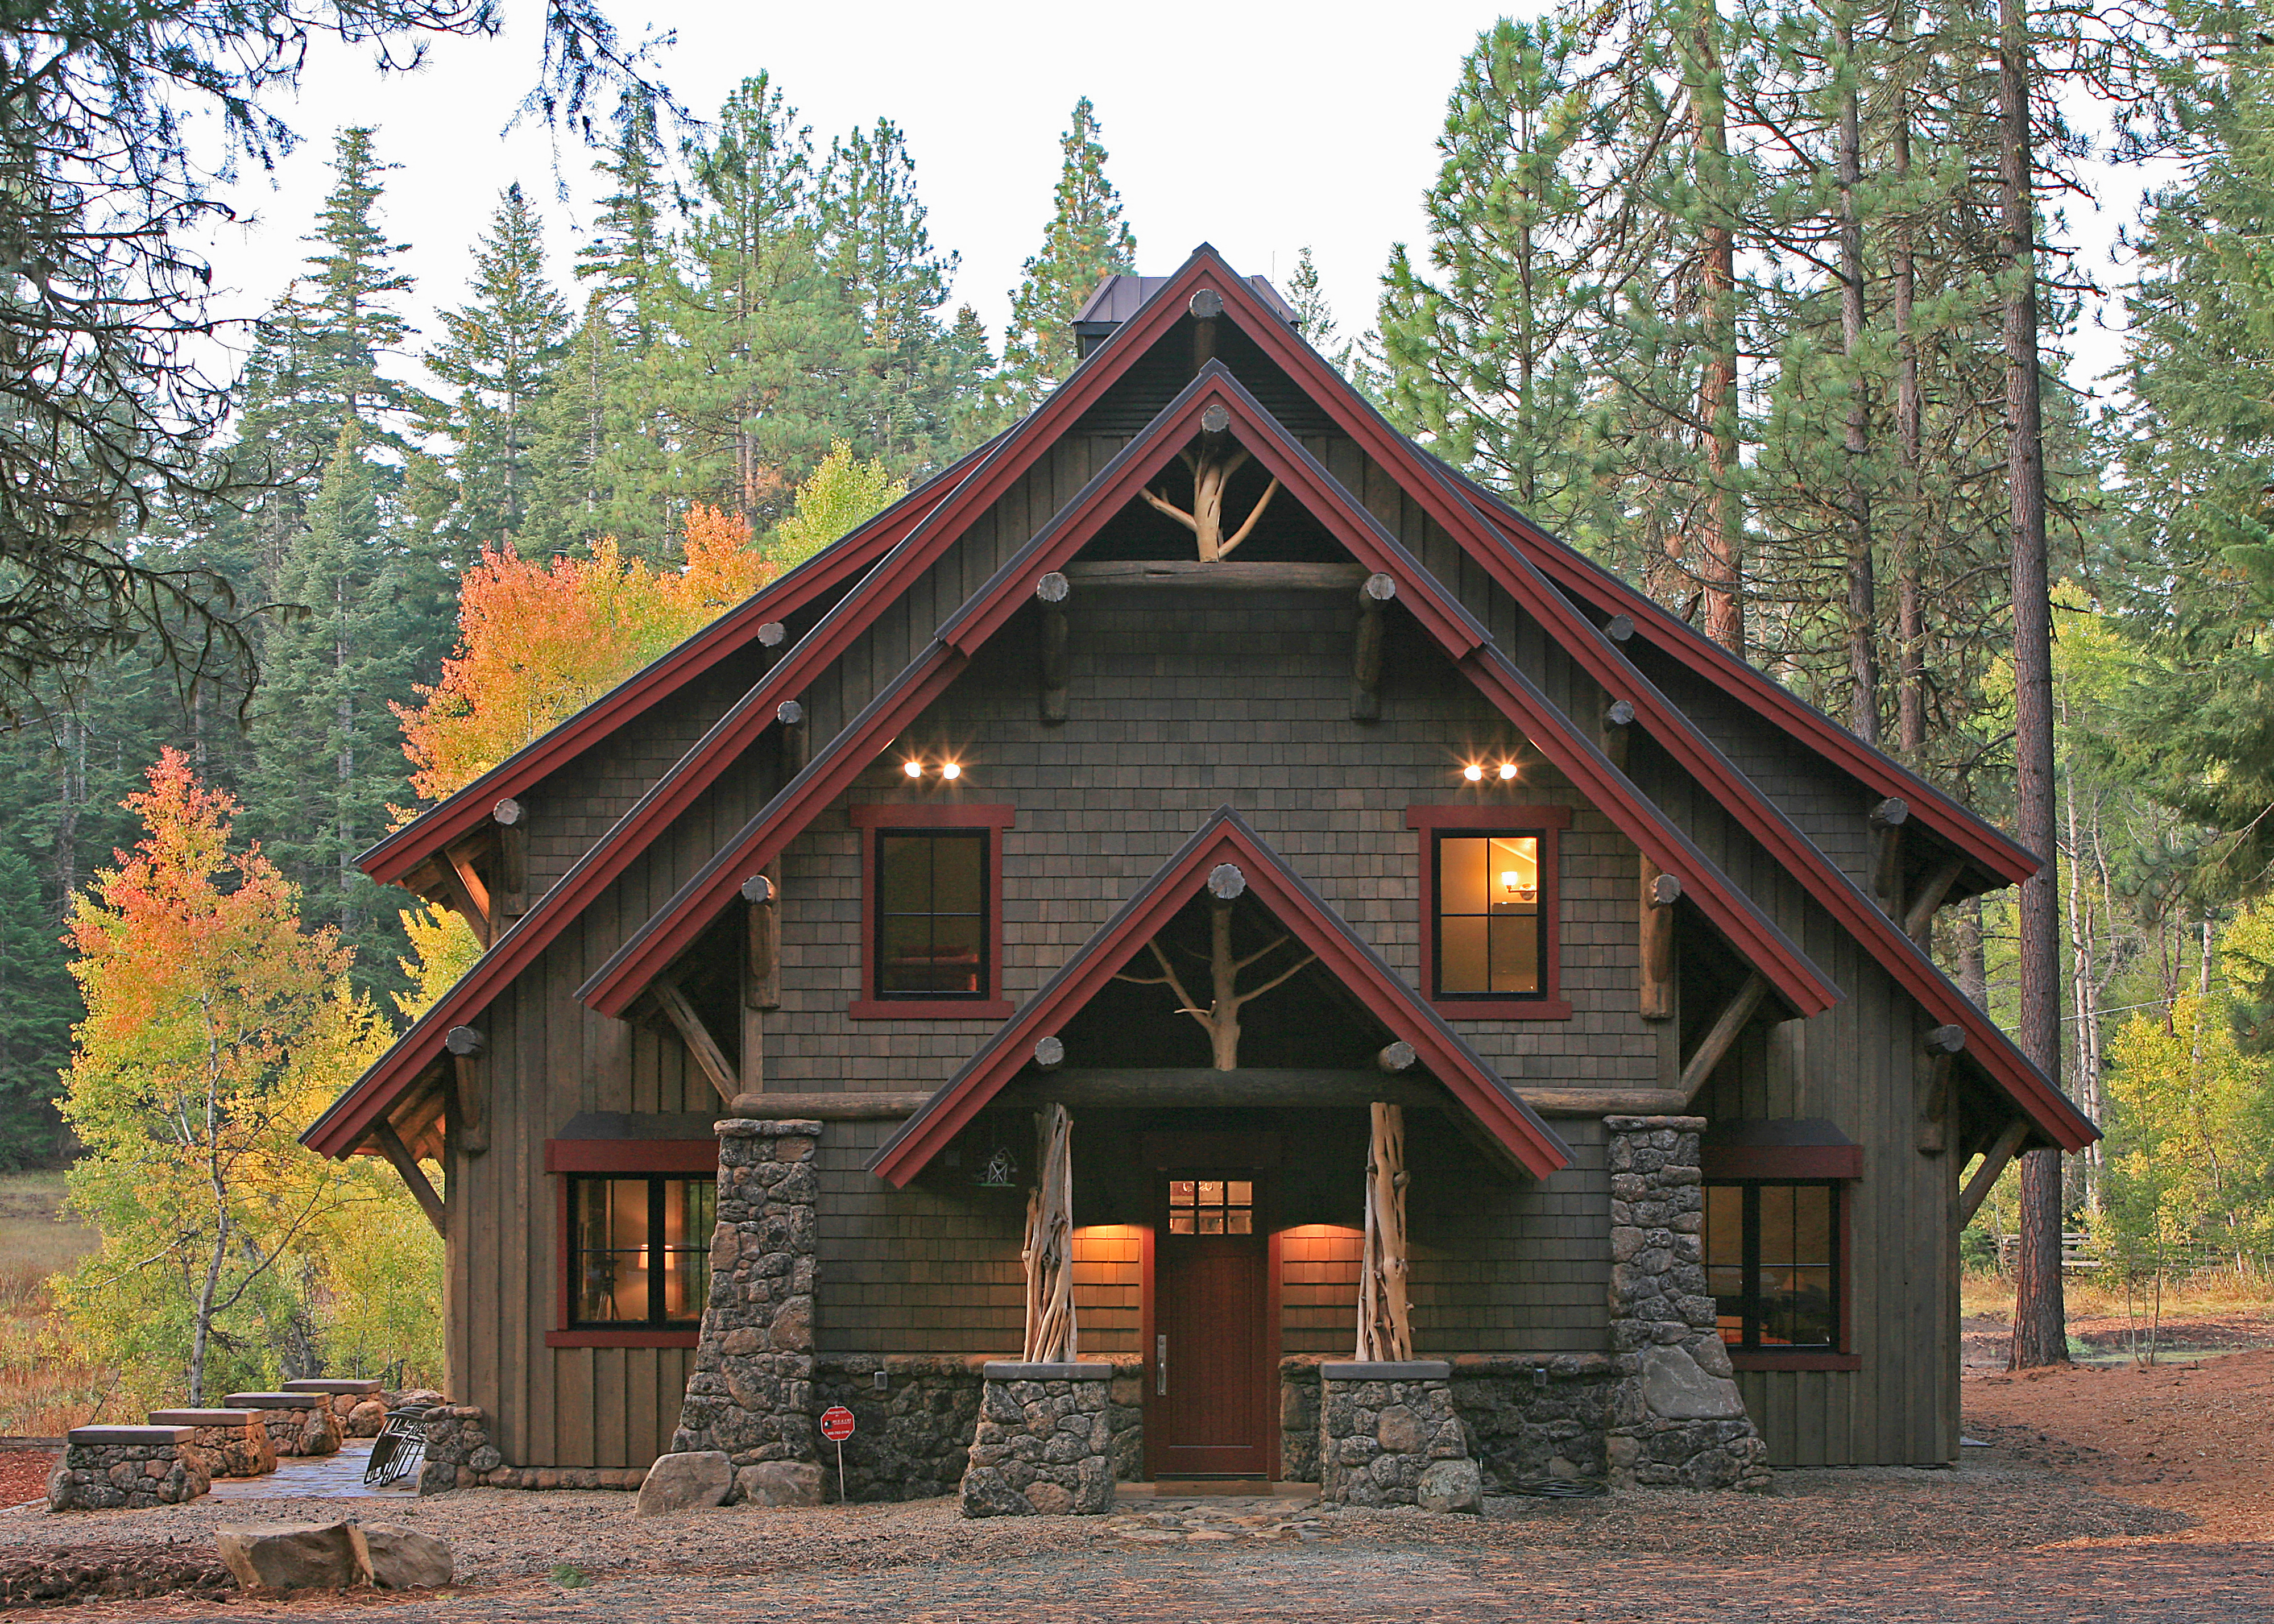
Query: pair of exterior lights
point(1474, 771)
point(914, 769)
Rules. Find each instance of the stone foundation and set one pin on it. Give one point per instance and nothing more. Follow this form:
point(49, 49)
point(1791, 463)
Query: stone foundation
point(300, 1423)
point(750, 1396)
point(132, 1468)
point(1677, 1420)
point(1044, 1442)
point(460, 1455)
point(234, 1442)
point(1388, 1435)
point(1537, 1415)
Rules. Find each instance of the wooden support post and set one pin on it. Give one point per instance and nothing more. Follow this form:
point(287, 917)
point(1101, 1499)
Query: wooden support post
point(1397, 1057)
point(1659, 892)
point(1385, 1325)
point(1051, 591)
point(1048, 1254)
point(466, 1046)
point(463, 891)
point(697, 1038)
point(1944, 1044)
point(761, 974)
point(1365, 655)
point(512, 821)
point(795, 747)
point(1618, 728)
point(1887, 819)
point(1049, 1051)
point(1993, 1163)
point(1619, 627)
point(391, 1145)
point(1715, 1045)
point(771, 635)
point(1918, 920)
point(1207, 305)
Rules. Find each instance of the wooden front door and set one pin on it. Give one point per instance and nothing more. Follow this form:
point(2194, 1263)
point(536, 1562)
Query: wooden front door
point(1209, 1398)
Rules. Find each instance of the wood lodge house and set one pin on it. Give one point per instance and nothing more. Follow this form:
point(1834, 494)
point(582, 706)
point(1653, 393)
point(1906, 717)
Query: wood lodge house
point(1411, 942)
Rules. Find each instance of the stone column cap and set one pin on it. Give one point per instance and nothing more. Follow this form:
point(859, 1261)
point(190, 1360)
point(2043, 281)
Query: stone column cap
point(1644, 1124)
point(334, 1384)
point(752, 1128)
point(1013, 1370)
point(84, 1435)
point(1385, 1370)
point(274, 1400)
point(202, 1418)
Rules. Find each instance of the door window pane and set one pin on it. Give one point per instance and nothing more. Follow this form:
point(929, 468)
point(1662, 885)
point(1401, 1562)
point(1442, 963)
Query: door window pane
point(1211, 1206)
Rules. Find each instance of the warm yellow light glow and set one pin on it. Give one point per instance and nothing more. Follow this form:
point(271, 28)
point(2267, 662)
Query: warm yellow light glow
point(1510, 880)
point(1472, 773)
point(951, 770)
point(914, 769)
point(1507, 770)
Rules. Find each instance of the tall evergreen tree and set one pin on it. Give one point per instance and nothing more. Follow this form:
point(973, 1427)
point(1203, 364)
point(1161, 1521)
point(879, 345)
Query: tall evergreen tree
point(38, 1005)
point(1085, 242)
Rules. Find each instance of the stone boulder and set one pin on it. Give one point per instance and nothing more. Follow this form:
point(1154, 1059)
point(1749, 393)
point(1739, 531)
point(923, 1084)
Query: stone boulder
point(402, 1559)
point(366, 1419)
point(1450, 1485)
point(780, 1483)
point(685, 1481)
point(293, 1556)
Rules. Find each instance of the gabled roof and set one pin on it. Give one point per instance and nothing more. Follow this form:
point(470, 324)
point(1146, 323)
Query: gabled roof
point(1756, 939)
point(1226, 838)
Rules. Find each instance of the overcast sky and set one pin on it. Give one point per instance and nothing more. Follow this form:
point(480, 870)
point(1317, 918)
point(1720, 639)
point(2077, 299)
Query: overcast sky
point(1259, 126)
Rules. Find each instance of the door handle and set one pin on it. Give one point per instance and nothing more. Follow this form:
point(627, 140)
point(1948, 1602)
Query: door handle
point(1161, 1363)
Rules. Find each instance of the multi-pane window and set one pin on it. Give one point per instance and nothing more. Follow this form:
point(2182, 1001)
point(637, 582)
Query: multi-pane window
point(932, 930)
point(1491, 921)
point(1211, 1206)
point(640, 1249)
point(1772, 1263)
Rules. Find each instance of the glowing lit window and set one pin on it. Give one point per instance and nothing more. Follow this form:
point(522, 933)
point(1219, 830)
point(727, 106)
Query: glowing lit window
point(1492, 936)
point(1772, 1263)
point(1211, 1206)
point(640, 1249)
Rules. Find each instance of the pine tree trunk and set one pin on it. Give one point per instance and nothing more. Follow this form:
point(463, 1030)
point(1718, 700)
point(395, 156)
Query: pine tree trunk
point(2040, 1317)
point(1863, 589)
point(1721, 569)
point(74, 794)
point(1910, 628)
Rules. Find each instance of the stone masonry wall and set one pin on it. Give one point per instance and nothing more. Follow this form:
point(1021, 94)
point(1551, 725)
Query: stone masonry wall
point(460, 1455)
point(1538, 1415)
point(750, 1396)
point(1388, 1436)
point(1044, 1442)
point(108, 1469)
point(1678, 1420)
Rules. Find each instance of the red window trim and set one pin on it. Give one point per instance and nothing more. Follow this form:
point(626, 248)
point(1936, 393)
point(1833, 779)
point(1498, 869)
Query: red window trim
point(654, 1158)
point(1550, 821)
point(992, 820)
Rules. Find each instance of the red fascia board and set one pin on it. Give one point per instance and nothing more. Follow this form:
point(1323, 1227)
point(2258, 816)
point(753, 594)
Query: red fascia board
point(1433, 486)
point(1225, 838)
point(1997, 853)
point(462, 813)
point(613, 988)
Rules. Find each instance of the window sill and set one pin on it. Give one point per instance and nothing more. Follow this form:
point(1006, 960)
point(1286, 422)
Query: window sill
point(662, 1336)
point(930, 1008)
point(1501, 1009)
point(1776, 1359)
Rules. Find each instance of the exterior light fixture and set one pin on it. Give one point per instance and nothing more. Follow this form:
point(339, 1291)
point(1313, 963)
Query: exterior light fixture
point(1472, 773)
point(949, 770)
point(914, 769)
point(1507, 770)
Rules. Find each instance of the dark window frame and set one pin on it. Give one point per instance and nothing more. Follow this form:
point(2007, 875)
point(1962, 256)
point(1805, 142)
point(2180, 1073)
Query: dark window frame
point(653, 1160)
point(986, 822)
point(1546, 824)
point(1836, 1354)
point(657, 1317)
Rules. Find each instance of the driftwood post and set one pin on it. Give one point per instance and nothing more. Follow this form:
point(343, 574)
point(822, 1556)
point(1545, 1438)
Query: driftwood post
point(1049, 1254)
point(1385, 1327)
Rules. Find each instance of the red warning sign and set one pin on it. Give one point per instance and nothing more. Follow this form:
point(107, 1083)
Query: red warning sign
point(837, 1423)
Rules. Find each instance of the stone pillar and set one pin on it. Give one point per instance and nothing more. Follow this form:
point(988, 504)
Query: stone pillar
point(131, 1468)
point(1045, 1442)
point(1677, 1420)
point(301, 1424)
point(1388, 1436)
point(750, 1395)
point(234, 1442)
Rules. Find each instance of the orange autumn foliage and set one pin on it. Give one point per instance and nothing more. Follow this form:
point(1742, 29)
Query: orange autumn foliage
point(537, 641)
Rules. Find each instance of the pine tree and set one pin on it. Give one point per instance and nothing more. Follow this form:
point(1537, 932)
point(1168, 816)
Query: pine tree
point(38, 1005)
point(1085, 242)
point(501, 353)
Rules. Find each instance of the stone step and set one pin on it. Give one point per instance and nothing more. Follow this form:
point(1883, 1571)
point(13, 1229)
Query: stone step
point(332, 1385)
point(202, 1418)
point(274, 1400)
point(97, 1437)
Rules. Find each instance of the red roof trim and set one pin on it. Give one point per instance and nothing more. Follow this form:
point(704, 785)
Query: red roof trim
point(1572, 570)
point(461, 814)
point(1433, 487)
point(1751, 934)
point(1226, 838)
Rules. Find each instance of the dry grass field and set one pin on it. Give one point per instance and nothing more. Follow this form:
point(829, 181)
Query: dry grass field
point(43, 1390)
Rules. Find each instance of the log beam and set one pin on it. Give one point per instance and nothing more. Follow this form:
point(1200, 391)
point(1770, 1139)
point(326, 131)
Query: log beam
point(391, 1145)
point(1050, 593)
point(700, 1044)
point(1397, 1057)
point(1943, 1046)
point(1618, 730)
point(1718, 1040)
point(1993, 1163)
point(463, 891)
point(796, 747)
point(512, 820)
point(761, 971)
point(1225, 576)
point(1659, 892)
point(466, 1047)
point(1918, 919)
point(1385, 1325)
point(1887, 819)
point(1366, 653)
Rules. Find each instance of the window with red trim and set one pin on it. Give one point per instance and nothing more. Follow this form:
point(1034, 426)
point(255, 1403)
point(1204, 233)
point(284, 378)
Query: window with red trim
point(931, 904)
point(639, 1251)
point(1491, 909)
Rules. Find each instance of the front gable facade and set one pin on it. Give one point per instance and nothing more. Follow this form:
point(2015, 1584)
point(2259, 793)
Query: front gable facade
point(900, 847)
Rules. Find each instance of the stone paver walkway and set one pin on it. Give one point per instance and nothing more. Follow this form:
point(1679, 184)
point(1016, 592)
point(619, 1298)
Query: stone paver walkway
point(316, 1477)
